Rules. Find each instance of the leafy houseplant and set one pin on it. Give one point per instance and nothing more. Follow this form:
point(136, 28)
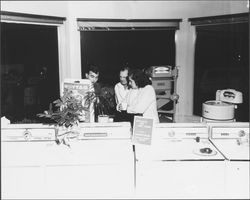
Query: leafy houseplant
point(105, 102)
point(70, 110)
point(72, 107)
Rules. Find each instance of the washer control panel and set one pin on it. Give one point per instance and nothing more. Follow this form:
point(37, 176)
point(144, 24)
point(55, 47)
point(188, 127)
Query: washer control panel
point(27, 134)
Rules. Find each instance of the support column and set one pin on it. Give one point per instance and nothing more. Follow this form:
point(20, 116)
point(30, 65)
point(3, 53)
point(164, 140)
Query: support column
point(185, 39)
point(74, 48)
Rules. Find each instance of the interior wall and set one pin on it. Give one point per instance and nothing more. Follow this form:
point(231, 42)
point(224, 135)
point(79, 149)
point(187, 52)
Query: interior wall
point(132, 10)
point(53, 8)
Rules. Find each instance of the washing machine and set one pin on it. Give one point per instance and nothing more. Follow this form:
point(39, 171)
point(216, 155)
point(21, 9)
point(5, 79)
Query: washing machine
point(232, 140)
point(223, 108)
point(99, 163)
point(181, 162)
point(23, 159)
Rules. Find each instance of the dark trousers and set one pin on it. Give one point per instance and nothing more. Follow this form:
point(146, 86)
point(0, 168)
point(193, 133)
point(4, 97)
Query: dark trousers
point(123, 116)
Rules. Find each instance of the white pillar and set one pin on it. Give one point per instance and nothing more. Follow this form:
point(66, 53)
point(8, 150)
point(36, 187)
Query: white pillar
point(73, 44)
point(62, 56)
point(185, 52)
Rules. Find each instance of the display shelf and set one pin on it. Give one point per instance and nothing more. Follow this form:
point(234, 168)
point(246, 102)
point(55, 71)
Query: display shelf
point(164, 81)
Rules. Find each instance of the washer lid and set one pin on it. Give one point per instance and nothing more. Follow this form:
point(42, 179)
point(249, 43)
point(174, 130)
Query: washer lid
point(230, 96)
point(176, 150)
point(232, 150)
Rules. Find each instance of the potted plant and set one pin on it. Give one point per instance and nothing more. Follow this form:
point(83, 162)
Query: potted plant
point(104, 104)
point(71, 108)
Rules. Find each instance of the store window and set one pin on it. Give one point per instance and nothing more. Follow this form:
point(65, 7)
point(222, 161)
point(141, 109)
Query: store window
point(111, 44)
point(114, 43)
point(29, 69)
point(222, 60)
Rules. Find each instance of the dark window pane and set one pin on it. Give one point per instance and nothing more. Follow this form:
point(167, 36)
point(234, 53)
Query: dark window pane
point(222, 62)
point(112, 49)
point(29, 70)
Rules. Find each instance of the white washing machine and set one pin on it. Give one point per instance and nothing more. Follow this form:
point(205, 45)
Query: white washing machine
point(23, 159)
point(98, 164)
point(232, 140)
point(180, 163)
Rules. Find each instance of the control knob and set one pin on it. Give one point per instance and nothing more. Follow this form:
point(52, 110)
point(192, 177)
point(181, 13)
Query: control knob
point(242, 133)
point(27, 135)
point(197, 139)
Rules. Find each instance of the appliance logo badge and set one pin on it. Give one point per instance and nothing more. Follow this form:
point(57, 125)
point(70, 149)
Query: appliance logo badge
point(95, 134)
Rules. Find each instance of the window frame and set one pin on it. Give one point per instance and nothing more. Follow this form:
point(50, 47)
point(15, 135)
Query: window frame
point(95, 24)
point(201, 22)
point(46, 20)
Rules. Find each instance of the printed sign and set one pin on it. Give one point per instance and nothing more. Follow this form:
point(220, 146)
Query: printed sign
point(79, 87)
point(142, 130)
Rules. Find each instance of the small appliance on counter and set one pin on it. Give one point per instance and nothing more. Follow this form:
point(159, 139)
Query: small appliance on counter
point(223, 108)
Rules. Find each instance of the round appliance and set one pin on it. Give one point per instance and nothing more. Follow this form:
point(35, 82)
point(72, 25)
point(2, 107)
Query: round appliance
point(218, 110)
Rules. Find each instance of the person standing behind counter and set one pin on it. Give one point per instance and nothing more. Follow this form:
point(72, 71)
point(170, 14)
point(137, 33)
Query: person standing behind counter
point(121, 91)
point(145, 101)
point(93, 75)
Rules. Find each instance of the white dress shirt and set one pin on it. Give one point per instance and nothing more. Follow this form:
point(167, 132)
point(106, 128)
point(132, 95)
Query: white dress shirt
point(131, 96)
point(120, 93)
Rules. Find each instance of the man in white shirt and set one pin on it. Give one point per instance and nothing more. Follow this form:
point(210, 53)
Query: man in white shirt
point(121, 91)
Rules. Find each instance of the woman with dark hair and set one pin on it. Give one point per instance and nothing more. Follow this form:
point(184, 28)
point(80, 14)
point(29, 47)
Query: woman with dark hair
point(145, 101)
